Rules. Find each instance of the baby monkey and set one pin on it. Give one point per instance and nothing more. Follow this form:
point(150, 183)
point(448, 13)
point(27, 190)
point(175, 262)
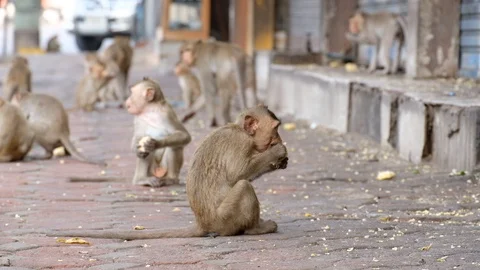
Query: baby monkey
point(379, 29)
point(188, 83)
point(159, 137)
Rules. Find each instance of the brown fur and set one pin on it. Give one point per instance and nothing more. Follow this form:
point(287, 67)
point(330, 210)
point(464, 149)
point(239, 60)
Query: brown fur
point(49, 121)
point(121, 53)
point(379, 29)
point(216, 64)
point(218, 182)
point(18, 78)
point(188, 83)
point(155, 118)
point(16, 137)
point(91, 87)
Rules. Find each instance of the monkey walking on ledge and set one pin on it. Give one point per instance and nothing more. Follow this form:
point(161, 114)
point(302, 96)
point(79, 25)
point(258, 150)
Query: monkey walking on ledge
point(218, 183)
point(379, 29)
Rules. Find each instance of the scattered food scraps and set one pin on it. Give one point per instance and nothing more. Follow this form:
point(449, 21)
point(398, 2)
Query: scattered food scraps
point(385, 175)
point(351, 67)
point(426, 248)
point(289, 126)
point(176, 209)
point(138, 228)
point(74, 240)
point(59, 151)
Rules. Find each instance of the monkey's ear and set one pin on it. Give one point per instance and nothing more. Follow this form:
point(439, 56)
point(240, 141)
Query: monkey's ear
point(149, 94)
point(250, 124)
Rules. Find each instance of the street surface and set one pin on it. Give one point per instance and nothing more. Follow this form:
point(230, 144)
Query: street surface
point(331, 211)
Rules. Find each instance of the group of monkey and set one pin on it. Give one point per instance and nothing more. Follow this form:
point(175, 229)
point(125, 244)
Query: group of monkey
point(218, 181)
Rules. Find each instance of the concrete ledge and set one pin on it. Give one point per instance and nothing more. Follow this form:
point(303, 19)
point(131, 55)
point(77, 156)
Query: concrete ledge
point(416, 117)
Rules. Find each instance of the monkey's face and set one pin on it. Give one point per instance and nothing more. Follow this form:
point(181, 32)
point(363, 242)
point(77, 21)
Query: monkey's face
point(188, 58)
point(355, 24)
point(138, 99)
point(264, 131)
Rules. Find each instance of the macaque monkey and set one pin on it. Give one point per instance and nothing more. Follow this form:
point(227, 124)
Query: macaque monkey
point(121, 53)
point(379, 29)
point(159, 137)
point(18, 78)
point(16, 137)
point(96, 78)
point(53, 45)
point(49, 121)
point(215, 64)
point(188, 83)
point(218, 182)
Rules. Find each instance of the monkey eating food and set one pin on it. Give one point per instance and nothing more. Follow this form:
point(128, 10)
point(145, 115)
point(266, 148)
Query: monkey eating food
point(18, 78)
point(188, 83)
point(379, 29)
point(159, 137)
point(218, 183)
point(49, 121)
point(16, 137)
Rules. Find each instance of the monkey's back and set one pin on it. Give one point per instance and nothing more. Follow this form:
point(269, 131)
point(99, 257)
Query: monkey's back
point(46, 116)
point(16, 138)
point(214, 171)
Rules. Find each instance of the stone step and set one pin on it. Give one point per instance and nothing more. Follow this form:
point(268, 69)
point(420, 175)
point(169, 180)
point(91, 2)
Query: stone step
point(423, 120)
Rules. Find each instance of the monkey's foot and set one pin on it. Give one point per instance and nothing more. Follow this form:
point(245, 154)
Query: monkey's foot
point(156, 182)
point(212, 234)
point(263, 227)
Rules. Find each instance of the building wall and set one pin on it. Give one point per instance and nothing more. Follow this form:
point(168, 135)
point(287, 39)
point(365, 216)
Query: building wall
point(305, 16)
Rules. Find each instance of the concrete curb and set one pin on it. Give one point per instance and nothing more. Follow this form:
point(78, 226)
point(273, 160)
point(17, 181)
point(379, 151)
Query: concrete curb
point(420, 125)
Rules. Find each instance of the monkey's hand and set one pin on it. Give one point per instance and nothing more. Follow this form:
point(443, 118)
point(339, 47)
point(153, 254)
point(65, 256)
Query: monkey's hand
point(145, 146)
point(279, 153)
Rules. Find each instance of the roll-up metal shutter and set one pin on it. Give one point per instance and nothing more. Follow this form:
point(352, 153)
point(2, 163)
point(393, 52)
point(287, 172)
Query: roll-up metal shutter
point(470, 39)
point(374, 6)
point(305, 17)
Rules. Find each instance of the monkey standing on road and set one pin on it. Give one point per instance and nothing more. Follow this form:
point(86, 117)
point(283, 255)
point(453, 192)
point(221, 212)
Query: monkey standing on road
point(216, 64)
point(379, 29)
point(18, 78)
point(218, 182)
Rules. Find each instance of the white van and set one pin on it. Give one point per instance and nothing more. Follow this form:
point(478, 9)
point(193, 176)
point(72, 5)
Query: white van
point(91, 21)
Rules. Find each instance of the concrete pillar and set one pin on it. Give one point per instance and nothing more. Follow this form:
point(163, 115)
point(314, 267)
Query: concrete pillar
point(27, 16)
point(432, 38)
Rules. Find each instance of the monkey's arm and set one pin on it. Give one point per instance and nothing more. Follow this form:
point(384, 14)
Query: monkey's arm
point(264, 162)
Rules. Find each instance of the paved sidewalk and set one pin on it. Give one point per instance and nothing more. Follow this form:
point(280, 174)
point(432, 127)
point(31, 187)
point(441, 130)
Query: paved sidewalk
point(332, 212)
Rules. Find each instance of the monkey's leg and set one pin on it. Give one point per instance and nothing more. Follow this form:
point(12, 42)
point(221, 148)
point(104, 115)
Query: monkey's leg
point(225, 101)
point(172, 160)
point(142, 169)
point(396, 60)
point(373, 61)
point(207, 85)
point(385, 46)
point(239, 211)
point(48, 148)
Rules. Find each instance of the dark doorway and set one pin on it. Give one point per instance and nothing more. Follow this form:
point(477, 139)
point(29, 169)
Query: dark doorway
point(219, 10)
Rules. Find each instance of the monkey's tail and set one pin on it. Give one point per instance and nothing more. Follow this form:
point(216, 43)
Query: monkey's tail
point(131, 235)
point(74, 152)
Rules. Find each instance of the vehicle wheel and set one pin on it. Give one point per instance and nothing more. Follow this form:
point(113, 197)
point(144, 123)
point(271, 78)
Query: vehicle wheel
point(88, 43)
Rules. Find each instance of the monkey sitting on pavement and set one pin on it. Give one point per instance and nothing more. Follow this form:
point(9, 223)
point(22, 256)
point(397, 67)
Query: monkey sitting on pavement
point(379, 29)
point(218, 182)
point(16, 136)
point(159, 137)
point(18, 78)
